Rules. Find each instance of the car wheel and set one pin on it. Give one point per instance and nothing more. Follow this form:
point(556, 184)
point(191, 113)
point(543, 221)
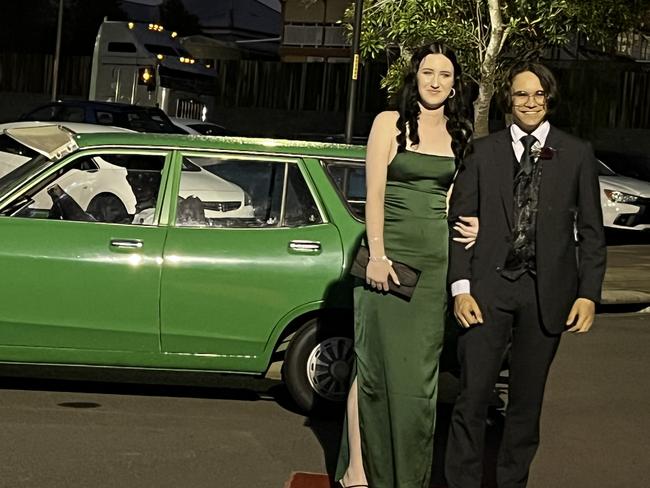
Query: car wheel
point(107, 207)
point(317, 365)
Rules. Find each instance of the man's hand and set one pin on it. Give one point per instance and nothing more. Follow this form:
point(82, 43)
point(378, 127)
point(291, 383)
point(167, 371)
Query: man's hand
point(583, 310)
point(466, 310)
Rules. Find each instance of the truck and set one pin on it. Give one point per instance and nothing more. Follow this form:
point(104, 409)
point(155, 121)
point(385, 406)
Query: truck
point(145, 64)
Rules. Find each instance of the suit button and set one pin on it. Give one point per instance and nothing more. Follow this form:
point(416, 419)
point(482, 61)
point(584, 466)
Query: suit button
point(498, 268)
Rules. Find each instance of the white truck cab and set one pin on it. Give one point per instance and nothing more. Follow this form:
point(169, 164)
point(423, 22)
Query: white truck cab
point(144, 64)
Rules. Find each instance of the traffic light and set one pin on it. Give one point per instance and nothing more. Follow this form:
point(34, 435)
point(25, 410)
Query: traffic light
point(147, 77)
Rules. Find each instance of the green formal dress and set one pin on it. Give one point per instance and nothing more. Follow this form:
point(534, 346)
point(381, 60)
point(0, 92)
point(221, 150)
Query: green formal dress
point(398, 342)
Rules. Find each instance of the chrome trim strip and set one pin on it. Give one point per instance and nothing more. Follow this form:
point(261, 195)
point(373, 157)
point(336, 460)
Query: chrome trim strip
point(217, 150)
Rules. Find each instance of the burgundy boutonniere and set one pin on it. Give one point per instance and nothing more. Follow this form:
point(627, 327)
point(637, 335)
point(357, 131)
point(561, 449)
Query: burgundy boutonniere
point(545, 152)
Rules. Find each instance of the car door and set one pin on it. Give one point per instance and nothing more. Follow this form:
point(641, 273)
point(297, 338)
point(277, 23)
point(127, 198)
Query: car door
point(239, 259)
point(73, 279)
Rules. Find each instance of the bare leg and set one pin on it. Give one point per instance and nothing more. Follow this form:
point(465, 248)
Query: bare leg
point(355, 475)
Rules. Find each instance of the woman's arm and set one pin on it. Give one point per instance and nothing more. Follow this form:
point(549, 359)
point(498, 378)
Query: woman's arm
point(379, 153)
point(377, 160)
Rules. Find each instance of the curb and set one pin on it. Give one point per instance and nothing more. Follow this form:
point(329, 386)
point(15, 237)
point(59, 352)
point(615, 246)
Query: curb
point(621, 297)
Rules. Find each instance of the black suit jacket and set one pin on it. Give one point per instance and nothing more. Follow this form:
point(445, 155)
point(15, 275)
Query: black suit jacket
point(570, 242)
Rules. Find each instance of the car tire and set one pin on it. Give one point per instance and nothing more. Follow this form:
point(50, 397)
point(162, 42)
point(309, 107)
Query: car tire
point(317, 365)
point(107, 207)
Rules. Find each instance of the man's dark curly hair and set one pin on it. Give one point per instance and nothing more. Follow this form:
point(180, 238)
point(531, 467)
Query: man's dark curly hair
point(546, 78)
point(458, 123)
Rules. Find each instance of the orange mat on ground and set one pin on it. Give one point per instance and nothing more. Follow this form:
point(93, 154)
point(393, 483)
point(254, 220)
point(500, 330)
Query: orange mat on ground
point(316, 480)
point(309, 480)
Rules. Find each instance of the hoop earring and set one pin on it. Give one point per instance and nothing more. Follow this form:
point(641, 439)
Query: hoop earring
point(453, 93)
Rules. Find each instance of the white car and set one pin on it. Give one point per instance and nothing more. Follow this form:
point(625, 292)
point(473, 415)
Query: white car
point(198, 127)
point(625, 201)
point(105, 184)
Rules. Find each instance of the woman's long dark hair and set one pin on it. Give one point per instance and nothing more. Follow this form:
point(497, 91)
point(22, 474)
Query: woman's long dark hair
point(458, 124)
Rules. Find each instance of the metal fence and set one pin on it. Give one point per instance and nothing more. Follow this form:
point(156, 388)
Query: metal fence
point(595, 94)
point(295, 86)
point(32, 73)
point(604, 94)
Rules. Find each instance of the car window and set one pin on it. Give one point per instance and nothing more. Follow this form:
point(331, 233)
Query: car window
point(210, 129)
point(104, 118)
point(60, 113)
point(72, 114)
point(300, 206)
point(244, 193)
point(110, 188)
point(149, 121)
point(350, 181)
point(49, 112)
point(23, 172)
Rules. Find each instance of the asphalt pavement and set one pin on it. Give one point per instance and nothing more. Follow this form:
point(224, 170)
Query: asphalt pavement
point(236, 432)
point(627, 279)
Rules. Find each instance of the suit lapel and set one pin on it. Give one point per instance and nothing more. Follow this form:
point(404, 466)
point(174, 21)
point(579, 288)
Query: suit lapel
point(503, 158)
point(552, 169)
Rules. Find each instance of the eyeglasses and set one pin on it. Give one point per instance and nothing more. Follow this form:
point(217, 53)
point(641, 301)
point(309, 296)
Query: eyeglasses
point(522, 97)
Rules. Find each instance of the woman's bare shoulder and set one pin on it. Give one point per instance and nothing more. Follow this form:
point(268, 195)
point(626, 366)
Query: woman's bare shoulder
point(386, 123)
point(387, 117)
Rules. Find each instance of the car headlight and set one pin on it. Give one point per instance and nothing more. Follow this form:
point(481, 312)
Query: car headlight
point(247, 200)
point(620, 197)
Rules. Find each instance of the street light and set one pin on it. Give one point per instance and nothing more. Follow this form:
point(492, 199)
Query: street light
point(57, 53)
point(354, 71)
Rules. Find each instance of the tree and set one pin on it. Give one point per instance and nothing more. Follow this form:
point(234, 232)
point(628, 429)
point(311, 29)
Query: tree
point(174, 16)
point(489, 35)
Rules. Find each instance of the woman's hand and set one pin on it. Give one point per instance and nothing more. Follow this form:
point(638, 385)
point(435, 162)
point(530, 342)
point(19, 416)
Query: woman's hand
point(377, 273)
point(468, 229)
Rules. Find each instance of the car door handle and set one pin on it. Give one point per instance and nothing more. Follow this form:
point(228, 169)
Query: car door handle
point(305, 246)
point(127, 243)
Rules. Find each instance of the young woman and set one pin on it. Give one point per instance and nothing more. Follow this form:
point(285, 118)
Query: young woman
point(411, 160)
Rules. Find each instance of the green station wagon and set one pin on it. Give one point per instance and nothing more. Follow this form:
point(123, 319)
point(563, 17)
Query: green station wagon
point(245, 265)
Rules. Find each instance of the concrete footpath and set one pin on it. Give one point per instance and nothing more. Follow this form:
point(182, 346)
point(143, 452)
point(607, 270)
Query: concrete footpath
point(627, 279)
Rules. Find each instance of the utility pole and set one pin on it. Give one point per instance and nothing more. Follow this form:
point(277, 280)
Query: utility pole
point(354, 71)
point(57, 53)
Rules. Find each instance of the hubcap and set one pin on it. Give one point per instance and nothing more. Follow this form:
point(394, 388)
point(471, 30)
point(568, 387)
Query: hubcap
point(328, 368)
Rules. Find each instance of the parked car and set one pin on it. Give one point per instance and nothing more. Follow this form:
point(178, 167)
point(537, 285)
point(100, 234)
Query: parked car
point(190, 291)
point(106, 187)
point(198, 127)
point(134, 117)
point(625, 201)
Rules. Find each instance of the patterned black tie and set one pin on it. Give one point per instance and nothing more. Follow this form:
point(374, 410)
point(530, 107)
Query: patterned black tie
point(527, 160)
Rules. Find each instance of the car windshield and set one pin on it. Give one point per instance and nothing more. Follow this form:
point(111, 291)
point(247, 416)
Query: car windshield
point(604, 170)
point(22, 172)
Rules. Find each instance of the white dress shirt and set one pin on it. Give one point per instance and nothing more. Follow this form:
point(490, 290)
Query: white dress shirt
point(516, 133)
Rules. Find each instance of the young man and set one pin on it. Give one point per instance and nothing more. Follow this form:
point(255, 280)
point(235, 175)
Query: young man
point(535, 271)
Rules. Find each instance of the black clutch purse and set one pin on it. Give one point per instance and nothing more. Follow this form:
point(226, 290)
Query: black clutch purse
point(408, 276)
